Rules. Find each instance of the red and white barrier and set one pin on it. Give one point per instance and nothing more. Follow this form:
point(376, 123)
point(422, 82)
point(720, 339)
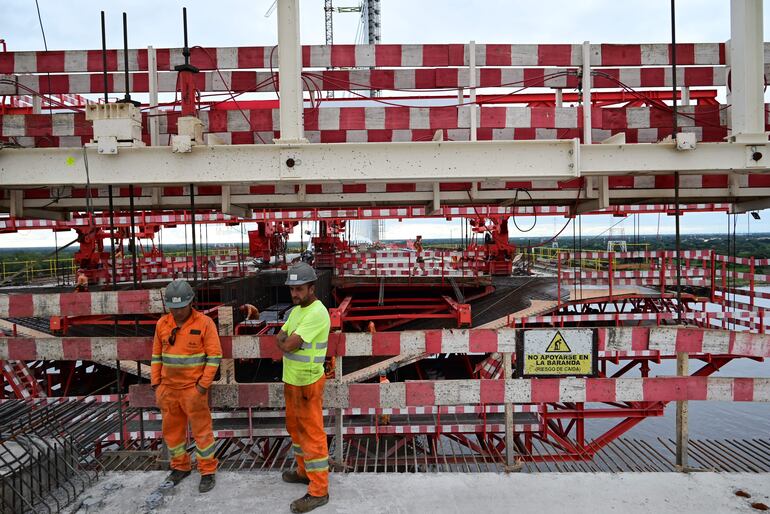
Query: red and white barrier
point(472, 392)
point(665, 340)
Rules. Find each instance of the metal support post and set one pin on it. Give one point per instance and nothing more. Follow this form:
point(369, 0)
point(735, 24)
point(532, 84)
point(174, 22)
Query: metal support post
point(192, 227)
point(682, 423)
point(152, 68)
point(746, 61)
point(587, 93)
point(338, 455)
point(472, 87)
point(509, 449)
point(289, 73)
point(559, 97)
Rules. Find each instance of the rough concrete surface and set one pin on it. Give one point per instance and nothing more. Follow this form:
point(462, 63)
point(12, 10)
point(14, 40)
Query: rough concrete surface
point(482, 493)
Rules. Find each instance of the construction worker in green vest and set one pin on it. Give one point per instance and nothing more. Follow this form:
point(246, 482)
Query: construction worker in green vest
point(303, 340)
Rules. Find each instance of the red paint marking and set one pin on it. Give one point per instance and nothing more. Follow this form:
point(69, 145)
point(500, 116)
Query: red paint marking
point(336, 344)
point(420, 393)
point(22, 348)
point(75, 304)
point(498, 55)
point(134, 348)
point(253, 395)
point(621, 55)
point(491, 391)
point(483, 341)
point(545, 390)
point(387, 55)
point(554, 55)
point(743, 389)
point(600, 390)
point(364, 395)
point(20, 306)
point(386, 343)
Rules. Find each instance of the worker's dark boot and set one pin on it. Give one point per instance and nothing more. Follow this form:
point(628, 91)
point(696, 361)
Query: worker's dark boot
point(294, 478)
point(207, 483)
point(308, 503)
point(177, 476)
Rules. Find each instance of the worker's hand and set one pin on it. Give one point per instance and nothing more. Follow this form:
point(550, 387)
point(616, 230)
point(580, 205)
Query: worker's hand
point(200, 389)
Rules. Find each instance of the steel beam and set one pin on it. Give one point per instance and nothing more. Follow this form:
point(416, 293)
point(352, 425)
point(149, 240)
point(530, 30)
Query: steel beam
point(495, 197)
point(302, 163)
point(371, 162)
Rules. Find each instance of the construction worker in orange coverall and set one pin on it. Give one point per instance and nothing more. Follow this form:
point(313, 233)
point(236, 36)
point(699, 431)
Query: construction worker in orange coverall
point(418, 248)
point(186, 353)
point(249, 311)
point(81, 283)
point(303, 339)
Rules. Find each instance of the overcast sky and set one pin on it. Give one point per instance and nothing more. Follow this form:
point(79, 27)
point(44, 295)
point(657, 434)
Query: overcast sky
point(74, 24)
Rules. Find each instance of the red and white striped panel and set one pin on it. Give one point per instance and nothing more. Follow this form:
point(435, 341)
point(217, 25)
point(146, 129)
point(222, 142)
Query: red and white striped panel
point(367, 56)
point(170, 273)
point(686, 254)
point(700, 316)
point(333, 119)
point(407, 411)
point(14, 224)
point(100, 398)
point(417, 272)
point(747, 261)
point(472, 392)
point(43, 305)
point(635, 274)
point(664, 340)
point(366, 79)
point(467, 428)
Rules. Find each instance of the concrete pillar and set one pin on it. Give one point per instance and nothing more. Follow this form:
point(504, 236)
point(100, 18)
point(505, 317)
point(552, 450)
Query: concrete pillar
point(289, 70)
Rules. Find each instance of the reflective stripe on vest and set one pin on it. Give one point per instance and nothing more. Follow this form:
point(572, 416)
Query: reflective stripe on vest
point(311, 354)
point(183, 361)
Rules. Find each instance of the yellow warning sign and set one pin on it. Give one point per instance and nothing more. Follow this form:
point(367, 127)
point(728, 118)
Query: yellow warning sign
point(558, 353)
point(558, 345)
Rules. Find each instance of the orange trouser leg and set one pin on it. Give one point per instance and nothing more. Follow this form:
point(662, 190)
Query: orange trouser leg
point(313, 438)
point(196, 406)
point(174, 426)
point(293, 398)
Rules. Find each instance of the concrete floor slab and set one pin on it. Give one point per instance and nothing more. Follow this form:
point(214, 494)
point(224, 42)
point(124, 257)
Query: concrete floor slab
point(487, 493)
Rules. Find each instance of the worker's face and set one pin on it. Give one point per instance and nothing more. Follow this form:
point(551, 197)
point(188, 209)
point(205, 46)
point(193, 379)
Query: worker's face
point(302, 295)
point(181, 314)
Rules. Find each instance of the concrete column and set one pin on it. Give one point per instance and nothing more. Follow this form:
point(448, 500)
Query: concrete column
point(289, 70)
point(746, 61)
point(154, 121)
point(587, 137)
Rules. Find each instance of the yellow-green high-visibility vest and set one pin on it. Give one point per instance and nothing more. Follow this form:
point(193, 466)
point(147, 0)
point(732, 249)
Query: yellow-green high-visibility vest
point(305, 365)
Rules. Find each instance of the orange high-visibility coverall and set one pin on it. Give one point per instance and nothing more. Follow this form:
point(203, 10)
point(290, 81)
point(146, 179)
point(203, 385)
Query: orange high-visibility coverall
point(81, 285)
point(250, 311)
point(181, 358)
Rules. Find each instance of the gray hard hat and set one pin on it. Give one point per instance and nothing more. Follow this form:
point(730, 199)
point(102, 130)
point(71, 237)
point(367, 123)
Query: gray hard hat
point(178, 294)
point(300, 273)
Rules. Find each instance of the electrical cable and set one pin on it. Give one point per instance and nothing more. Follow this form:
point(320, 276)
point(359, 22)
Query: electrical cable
point(513, 215)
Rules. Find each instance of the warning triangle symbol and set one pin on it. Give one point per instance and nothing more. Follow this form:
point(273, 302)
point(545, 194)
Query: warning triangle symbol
point(558, 345)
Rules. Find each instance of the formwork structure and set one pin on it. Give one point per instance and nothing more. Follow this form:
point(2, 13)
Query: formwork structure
point(643, 133)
